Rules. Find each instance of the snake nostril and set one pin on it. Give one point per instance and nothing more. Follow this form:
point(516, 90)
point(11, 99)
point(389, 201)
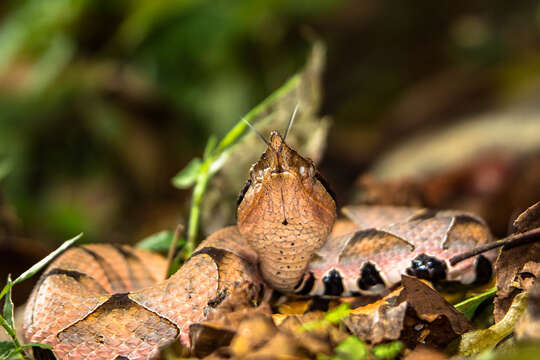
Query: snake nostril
point(285, 222)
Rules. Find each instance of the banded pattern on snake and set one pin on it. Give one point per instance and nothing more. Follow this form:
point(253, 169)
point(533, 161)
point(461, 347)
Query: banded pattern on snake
point(113, 302)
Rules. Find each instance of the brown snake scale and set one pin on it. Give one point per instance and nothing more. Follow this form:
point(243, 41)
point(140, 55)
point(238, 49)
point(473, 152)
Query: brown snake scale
point(113, 302)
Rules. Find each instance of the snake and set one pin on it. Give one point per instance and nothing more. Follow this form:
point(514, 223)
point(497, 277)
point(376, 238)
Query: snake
point(104, 301)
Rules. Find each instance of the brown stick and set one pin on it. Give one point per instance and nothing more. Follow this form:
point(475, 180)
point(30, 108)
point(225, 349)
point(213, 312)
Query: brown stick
point(508, 242)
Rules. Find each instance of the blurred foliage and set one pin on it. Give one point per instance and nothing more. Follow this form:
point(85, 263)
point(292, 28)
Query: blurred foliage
point(89, 89)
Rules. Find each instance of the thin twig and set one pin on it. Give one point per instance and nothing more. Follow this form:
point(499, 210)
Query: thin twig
point(508, 242)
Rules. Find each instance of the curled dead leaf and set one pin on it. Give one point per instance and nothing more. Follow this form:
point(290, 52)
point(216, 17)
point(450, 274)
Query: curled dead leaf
point(475, 342)
point(518, 267)
point(528, 326)
point(416, 313)
point(529, 219)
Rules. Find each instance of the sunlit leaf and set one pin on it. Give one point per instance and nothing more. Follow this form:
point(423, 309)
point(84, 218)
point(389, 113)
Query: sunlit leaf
point(352, 348)
point(210, 146)
point(188, 175)
point(338, 313)
point(388, 351)
point(39, 265)
point(475, 342)
point(8, 305)
point(159, 242)
point(468, 307)
point(5, 167)
point(6, 348)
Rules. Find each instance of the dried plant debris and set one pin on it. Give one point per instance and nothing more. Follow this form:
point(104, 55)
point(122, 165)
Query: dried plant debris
point(381, 321)
point(484, 184)
point(528, 327)
point(416, 314)
point(475, 342)
point(529, 219)
point(517, 268)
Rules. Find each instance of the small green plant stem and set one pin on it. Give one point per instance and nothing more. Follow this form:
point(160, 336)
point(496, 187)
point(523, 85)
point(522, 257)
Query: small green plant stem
point(211, 162)
point(11, 332)
point(194, 215)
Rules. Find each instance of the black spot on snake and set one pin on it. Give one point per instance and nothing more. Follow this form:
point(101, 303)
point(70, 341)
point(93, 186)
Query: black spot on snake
point(308, 285)
point(333, 286)
point(427, 267)
point(369, 277)
point(483, 270)
point(319, 304)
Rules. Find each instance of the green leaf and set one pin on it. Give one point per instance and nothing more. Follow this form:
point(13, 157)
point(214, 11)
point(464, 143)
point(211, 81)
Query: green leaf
point(312, 325)
point(338, 314)
point(8, 305)
point(210, 146)
point(188, 175)
point(388, 351)
point(468, 307)
point(159, 242)
point(5, 167)
point(478, 341)
point(352, 348)
point(40, 264)
point(6, 348)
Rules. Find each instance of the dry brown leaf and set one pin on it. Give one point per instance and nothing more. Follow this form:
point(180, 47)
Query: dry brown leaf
point(509, 268)
point(478, 341)
point(528, 327)
point(529, 219)
point(384, 324)
point(429, 304)
point(416, 313)
point(206, 338)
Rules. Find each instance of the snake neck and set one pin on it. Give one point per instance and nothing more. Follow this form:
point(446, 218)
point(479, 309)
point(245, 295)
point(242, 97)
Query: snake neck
point(285, 229)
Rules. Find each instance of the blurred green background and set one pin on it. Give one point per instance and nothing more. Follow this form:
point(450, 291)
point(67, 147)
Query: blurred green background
point(102, 102)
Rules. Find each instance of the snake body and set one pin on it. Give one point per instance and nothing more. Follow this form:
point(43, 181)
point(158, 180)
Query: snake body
point(113, 302)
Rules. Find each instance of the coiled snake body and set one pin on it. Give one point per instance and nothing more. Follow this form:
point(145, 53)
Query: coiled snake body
point(113, 302)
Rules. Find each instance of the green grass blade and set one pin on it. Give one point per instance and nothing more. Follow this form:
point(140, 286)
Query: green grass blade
point(39, 265)
point(468, 307)
point(8, 305)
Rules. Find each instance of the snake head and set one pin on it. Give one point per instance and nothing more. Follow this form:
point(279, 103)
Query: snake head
point(285, 212)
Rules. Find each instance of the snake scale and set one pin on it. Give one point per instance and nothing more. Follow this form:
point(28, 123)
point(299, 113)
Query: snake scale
point(113, 302)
